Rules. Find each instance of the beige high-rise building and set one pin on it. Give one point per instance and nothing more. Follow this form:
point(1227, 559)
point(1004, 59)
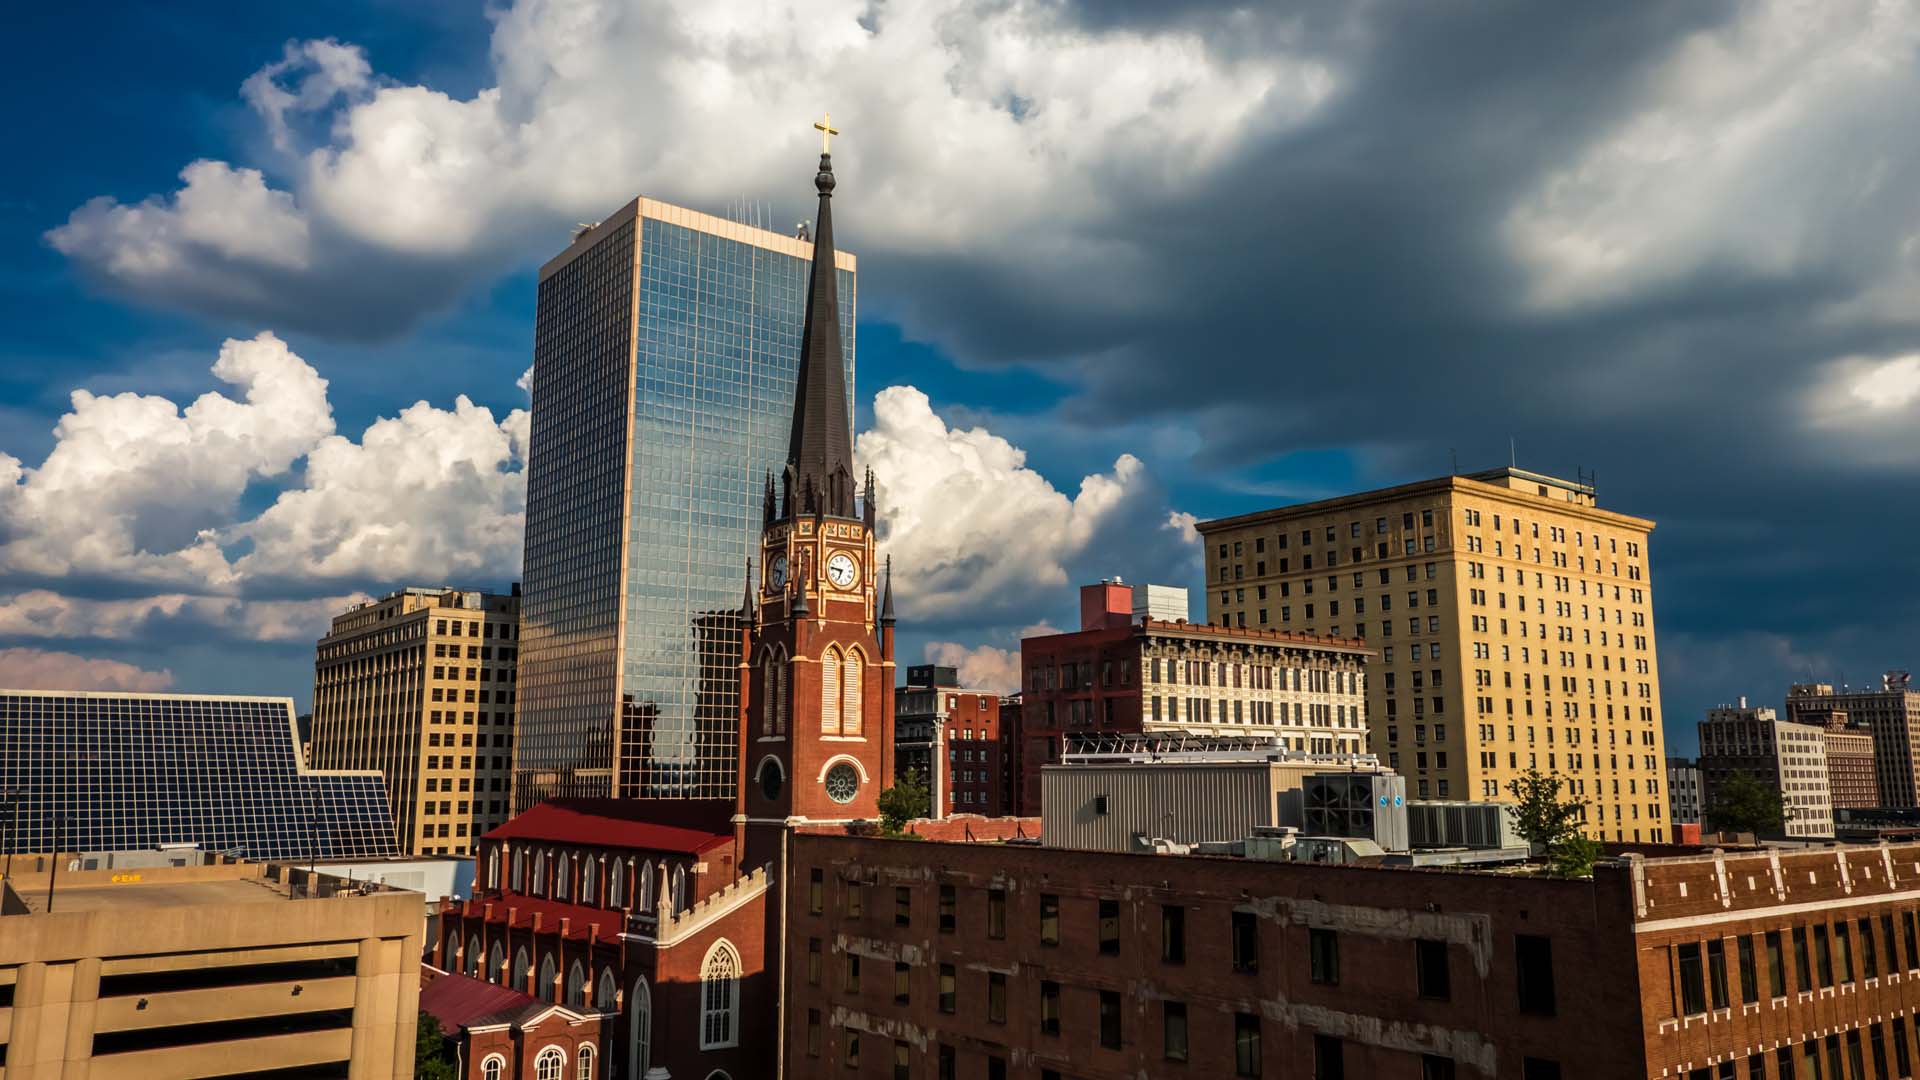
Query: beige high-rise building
point(420, 685)
point(1514, 623)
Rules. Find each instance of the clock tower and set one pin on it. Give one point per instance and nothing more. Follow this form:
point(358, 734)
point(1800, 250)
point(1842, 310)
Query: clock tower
point(816, 671)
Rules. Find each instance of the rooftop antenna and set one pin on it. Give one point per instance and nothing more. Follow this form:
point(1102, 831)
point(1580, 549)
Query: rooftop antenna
point(1513, 454)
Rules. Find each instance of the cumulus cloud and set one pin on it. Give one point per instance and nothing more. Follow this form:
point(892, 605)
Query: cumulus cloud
point(135, 486)
point(1005, 116)
point(430, 491)
point(43, 613)
point(139, 495)
point(974, 532)
point(45, 669)
point(982, 667)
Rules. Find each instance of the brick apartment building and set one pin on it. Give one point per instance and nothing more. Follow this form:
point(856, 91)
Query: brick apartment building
point(953, 738)
point(1124, 675)
point(915, 959)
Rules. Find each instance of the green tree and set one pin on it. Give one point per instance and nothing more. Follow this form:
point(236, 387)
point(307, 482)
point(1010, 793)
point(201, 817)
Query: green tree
point(1542, 817)
point(1573, 855)
point(903, 802)
point(1744, 804)
point(431, 1061)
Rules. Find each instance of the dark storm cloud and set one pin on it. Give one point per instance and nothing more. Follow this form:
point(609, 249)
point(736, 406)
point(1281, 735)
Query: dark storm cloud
point(1349, 282)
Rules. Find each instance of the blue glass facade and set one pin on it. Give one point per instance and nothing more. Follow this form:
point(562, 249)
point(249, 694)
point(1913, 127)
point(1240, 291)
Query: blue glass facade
point(664, 364)
point(120, 772)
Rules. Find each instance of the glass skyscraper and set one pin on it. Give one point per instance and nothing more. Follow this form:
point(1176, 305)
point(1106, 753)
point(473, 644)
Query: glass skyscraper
point(126, 772)
point(666, 345)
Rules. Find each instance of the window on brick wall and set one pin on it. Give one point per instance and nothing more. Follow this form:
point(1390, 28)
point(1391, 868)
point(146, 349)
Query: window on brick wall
point(1323, 957)
point(1431, 975)
point(1049, 919)
point(1110, 927)
point(1173, 934)
point(1173, 1030)
point(1533, 955)
point(997, 913)
point(1049, 1007)
point(1246, 941)
point(1246, 1044)
point(1110, 1019)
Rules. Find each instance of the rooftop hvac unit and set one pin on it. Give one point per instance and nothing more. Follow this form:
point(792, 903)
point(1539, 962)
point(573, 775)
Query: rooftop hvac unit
point(1362, 806)
point(1461, 825)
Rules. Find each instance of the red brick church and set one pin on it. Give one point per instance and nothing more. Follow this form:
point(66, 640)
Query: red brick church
point(644, 933)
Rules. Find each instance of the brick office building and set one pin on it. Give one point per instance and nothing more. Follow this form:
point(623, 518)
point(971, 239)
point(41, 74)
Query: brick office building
point(949, 960)
point(1891, 714)
point(1122, 675)
point(953, 738)
point(1850, 772)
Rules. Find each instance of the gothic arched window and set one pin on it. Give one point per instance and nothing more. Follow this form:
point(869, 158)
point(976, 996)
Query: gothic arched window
point(720, 997)
point(617, 884)
point(851, 680)
point(830, 692)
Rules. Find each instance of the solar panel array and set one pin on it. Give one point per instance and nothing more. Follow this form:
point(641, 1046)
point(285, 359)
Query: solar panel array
point(107, 772)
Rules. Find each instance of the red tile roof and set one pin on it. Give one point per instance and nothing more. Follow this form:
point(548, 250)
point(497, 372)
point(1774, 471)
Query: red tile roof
point(604, 823)
point(459, 1000)
point(579, 916)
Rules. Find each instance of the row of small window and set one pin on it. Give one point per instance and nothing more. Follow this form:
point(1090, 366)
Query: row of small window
point(485, 718)
point(1231, 675)
point(471, 628)
point(1332, 533)
point(1840, 1064)
point(1697, 984)
point(1199, 710)
point(482, 674)
point(451, 695)
point(1329, 1051)
point(474, 652)
point(1238, 571)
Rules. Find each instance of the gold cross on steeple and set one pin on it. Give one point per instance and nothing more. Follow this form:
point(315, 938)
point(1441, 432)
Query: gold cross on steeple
point(827, 131)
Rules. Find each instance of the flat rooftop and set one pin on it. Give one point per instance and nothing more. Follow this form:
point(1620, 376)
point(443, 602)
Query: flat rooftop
point(134, 895)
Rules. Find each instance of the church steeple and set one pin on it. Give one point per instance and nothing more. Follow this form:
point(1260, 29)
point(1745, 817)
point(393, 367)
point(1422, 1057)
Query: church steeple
point(819, 473)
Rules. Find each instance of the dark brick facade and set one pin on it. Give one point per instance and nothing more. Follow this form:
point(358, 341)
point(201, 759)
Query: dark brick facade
point(1060, 966)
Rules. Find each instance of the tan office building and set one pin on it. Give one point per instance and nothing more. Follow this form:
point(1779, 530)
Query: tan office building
point(174, 972)
point(1514, 623)
point(420, 685)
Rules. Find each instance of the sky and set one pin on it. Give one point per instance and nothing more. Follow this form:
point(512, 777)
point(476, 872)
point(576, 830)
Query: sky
point(269, 289)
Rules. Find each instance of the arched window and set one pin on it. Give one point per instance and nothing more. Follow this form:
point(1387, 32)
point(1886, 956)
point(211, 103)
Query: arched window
point(539, 874)
point(576, 988)
point(520, 968)
point(617, 884)
point(640, 1030)
point(473, 956)
point(585, 1054)
point(645, 902)
point(588, 894)
point(550, 1065)
point(830, 692)
point(852, 682)
point(519, 871)
point(493, 868)
point(494, 1068)
point(497, 964)
point(678, 895)
point(769, 698)
point(783, 699)
point(720, 997)
point(604, 993)
point(563, 878)
point(548, 989)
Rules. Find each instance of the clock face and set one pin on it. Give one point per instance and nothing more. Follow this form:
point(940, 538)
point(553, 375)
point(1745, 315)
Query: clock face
point(777, 572)
point(841, 571)
point(843, 783)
